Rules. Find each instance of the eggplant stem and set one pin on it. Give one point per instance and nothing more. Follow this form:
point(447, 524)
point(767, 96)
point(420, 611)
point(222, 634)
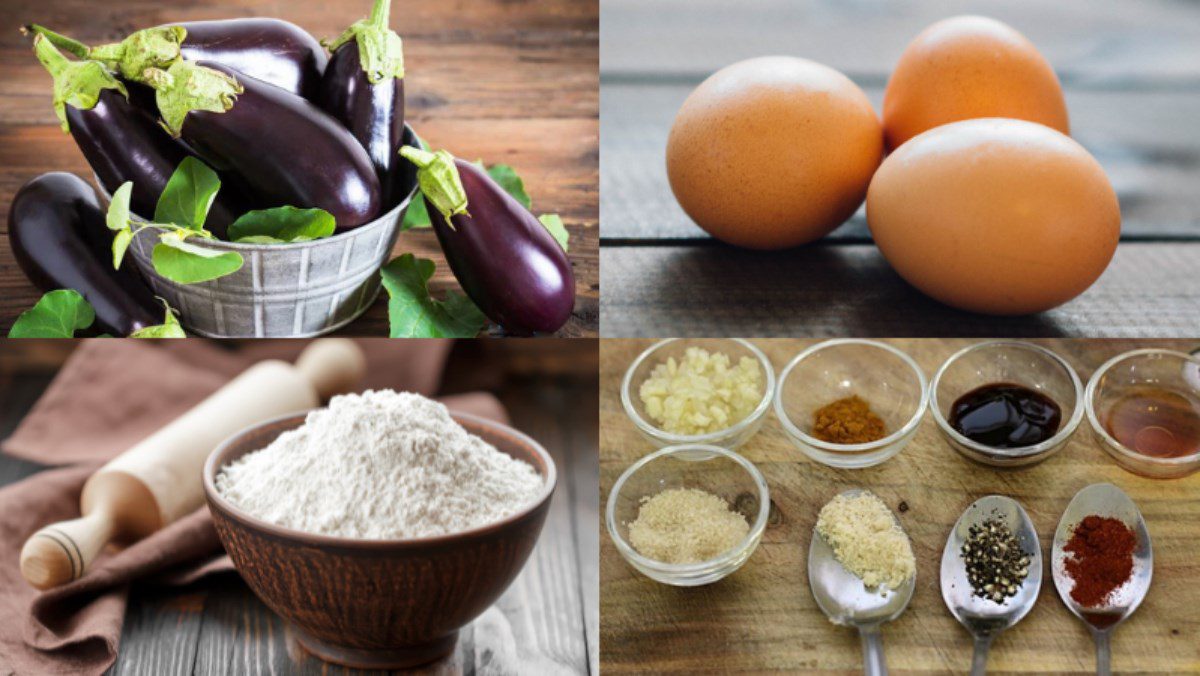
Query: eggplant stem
point(379, 13)
point(70, 45)
point(439, 181)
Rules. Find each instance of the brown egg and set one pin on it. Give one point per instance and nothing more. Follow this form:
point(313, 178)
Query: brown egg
point(995, 216)
point(968, 67)
point(773, 152)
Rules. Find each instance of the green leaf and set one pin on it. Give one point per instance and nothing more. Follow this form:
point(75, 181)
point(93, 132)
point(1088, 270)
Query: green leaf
point(170, 328)
point(417, 215)
point(412, 313)
point(120, 245)
point(557, 230)
point(59, 314)
point(117, 217)
point(186, 263)
point(188, 196)
point(282, 224)
point(507, 177)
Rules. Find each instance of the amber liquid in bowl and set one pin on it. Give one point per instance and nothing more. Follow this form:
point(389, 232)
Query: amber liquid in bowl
point(1156, 422)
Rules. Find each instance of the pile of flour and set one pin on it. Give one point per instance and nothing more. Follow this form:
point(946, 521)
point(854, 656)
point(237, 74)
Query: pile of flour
point(379, 465)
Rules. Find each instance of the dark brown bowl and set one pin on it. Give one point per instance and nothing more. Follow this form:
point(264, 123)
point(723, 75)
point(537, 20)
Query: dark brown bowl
point(378, 603)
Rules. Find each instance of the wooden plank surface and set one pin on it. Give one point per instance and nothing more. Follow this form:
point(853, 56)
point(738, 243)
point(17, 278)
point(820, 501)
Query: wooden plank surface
point(546, 622)
point(763, 618)
point(509, 82)
point(1149, 290)
point(1128, 43)
point(1132, 82)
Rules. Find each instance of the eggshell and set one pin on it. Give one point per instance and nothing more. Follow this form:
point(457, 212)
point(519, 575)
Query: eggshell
point(970, 67)
point(773, 152)
point(995, 216)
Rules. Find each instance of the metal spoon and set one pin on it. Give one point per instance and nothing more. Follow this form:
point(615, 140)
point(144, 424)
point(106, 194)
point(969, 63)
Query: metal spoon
point(844, 598)
point(984, 618)
point(1104, 500)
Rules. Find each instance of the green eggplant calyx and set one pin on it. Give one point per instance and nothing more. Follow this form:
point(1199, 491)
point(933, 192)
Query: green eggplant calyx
point(439, 180)
point(69, 45)
point(380, 50)
point(148, 48)
point(77, 83)
point(185, 86)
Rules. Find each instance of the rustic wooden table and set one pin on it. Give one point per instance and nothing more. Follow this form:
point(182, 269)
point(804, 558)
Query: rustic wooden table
point(547, 621)
point(763, 617)
point(1131, 71)
point(508, 82)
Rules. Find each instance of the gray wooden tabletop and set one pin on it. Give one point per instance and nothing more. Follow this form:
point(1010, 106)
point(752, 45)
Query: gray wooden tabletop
point(546, 623)
point(1131, 71)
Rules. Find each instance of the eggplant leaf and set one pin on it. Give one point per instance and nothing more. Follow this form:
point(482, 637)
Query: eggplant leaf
point(59, 314)
point(507, 178)
point(282, 224)
point(120, 245)
point(554, 225)
point(117, 217)
point(413, 313)
point(186, 263)
point(188, 196)
point(417, 216)
point(170, 328)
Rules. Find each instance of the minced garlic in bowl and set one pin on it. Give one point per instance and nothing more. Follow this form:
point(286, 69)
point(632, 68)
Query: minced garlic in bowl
point(702, 393)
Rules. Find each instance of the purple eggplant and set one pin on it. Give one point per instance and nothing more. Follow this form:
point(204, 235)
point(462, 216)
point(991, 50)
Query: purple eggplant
point(503, 257)
point(363, 87)
point(271, 50)
point(57, 232)
point(287, 150)
point(120, 141)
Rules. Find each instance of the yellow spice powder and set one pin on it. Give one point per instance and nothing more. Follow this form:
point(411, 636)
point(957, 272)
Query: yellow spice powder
point(686, 525)
point(866, 540)
point(704, 392)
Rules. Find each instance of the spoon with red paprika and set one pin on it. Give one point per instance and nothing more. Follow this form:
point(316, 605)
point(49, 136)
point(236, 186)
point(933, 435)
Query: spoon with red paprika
point(1102, 562)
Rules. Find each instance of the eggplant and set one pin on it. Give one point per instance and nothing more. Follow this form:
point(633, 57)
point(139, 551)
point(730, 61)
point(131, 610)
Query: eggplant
point(363, 87)
point(120, 141)
point(58, 235)
point(502, 256)
point(272, 50)
point(287, 150)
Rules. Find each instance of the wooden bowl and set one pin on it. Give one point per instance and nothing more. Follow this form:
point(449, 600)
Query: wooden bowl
point(378, 604)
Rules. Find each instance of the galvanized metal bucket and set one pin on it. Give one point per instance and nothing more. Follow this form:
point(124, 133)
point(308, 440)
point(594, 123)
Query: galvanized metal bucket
point(283, 290)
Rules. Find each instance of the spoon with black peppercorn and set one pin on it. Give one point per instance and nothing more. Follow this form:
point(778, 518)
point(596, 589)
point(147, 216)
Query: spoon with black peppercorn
point(846, 601)
point(1103, 500)
point(991, 571)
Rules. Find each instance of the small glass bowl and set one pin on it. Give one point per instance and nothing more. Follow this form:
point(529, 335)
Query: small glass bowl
point(886, 378)
point(1014, 362)
point(730, 437)
point(1166, 369)
point(714, 469)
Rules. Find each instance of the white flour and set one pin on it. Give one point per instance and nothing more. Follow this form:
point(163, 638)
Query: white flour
point(380, 465)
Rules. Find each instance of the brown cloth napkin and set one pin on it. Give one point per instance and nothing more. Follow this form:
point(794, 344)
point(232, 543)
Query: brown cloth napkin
point(114, 393)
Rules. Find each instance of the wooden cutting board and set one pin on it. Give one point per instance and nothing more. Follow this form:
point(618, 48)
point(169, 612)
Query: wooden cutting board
point(763, 617)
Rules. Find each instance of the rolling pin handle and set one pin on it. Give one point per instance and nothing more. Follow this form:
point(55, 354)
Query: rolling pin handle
point(332, 365)
point(61, 552)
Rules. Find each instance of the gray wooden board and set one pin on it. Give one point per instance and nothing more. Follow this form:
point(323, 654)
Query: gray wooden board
point(1090, 42)
point(547, 621)
point(1147, 141)
point(1150, 290)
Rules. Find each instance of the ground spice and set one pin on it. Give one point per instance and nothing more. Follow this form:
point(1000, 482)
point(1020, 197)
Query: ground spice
point(1102, 558)
point(996, 564)
point(847, 421)
point(866, 539)
point(686, 525)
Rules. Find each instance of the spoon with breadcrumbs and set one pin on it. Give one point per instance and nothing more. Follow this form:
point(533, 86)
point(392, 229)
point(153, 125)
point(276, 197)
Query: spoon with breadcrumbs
point(846, 601)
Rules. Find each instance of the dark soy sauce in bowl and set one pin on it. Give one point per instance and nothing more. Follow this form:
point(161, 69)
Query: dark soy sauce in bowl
point(1005, 415)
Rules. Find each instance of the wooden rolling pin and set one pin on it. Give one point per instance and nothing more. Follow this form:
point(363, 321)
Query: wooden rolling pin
point(159, 480)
